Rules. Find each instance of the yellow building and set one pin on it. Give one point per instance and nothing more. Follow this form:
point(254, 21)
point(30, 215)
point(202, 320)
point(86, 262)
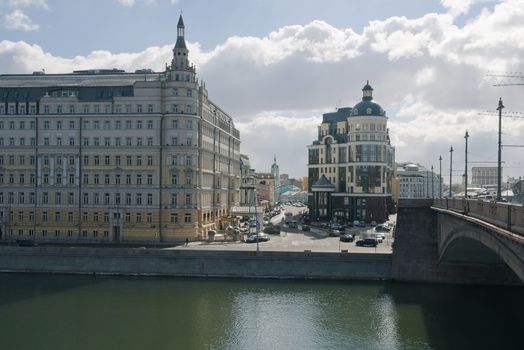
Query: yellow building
point(110, 156)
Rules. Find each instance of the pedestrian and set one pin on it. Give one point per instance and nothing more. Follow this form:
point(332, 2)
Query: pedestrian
point(187, 242)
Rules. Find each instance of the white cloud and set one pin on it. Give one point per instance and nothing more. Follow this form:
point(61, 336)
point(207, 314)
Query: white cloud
point(427, 72)
point(18, 20)
point(28, 3)
point(127, 3)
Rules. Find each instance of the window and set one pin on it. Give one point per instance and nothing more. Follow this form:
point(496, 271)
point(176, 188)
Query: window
point(107, 198)
point(85, 141)
point(138, 179)
point(175, 92)
point(118, 141)
point(96, 125)
point(128, 217)
point(118, 109)
point(174, 218)
point(139, 108)
point(174, 141)
point(128, 124)
point(118, 124)
point(173, 179)
point(174, 159)
point(59, 141)
point(117, 160)
point(97, 160)
point(150, 124)
point(58, 198)
point(189, 141)
point(97, 179)
point(188, 199)
point(71, 141)
point(58, 217)
point(107, 125)
point(174, 199)
point(128, 179)
point(187, 218)
point(174, 124)
point(189, 92)
point(138, 160)
point(71, 124)
point(117, 179)
point(189, 109)
point(188, 160)
point(128, 108)
point(59, 124)
point(149, 160)
point(139, 141)
point(85, 198)
point(150, 141)
point(117, 198)
point(149, 108)
point(128, 198)
point(128, 141)
point(86, 161)
point(139, 124)
point(149, 218)
point(107, 141)
point(138, 199)
point(85, 109)
point(188, 178)
point(106, 160)
point(106, 179)
point(149, 199)
point(97, 141)
point(138, 218)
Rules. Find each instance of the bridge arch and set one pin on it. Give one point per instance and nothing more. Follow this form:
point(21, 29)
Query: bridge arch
point(467, 239)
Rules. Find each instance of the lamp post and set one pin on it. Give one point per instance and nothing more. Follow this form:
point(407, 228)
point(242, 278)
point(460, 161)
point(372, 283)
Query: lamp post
point(432, 183)
point(450, 169)
point(466, 136)
point(440, 176)
point(499, 168)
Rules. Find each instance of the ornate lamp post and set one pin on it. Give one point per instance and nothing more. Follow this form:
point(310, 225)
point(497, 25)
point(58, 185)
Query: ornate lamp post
point(466, 136)
point(499, 168)
point(440, 176)
point(450, 169)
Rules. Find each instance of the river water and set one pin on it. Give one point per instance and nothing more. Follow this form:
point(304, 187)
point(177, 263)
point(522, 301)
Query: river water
point(84, 312)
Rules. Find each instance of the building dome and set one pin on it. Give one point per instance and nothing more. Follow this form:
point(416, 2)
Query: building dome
point(367, 107)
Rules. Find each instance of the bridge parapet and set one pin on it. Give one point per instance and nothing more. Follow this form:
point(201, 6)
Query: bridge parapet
point(504, 215)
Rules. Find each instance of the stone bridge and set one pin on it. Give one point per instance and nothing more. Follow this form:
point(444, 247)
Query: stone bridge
point(459, 241)
point(483, 232)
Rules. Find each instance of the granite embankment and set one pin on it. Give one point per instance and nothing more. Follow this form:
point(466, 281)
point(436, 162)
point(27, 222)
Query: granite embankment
point(194, 263)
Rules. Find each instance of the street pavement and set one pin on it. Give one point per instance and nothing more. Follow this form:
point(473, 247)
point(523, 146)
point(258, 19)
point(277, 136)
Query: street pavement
point(316, 240)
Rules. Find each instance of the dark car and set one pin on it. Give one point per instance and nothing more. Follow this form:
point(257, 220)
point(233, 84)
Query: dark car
point(346, 238)
point(306, 228)
point(272, 230)
point(261, 238)
point(367, 242)
point(25, 243)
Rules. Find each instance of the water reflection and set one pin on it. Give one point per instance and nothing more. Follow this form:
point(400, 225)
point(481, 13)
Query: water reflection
point(75, 312)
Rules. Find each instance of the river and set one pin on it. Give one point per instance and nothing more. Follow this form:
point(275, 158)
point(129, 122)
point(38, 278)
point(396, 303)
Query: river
point(85, 312)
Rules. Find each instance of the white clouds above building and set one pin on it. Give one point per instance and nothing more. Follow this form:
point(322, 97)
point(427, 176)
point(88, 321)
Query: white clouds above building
point(428, 73)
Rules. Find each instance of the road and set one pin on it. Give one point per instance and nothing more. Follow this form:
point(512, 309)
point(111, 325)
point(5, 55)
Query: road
point(315, 240)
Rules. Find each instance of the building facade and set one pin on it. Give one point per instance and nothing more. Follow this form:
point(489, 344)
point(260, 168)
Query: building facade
point(275, 170)
point(484, 176)
point(416, 181)
point(265, 189)
point(351, 164)
point(105, 155)
point(247, 182)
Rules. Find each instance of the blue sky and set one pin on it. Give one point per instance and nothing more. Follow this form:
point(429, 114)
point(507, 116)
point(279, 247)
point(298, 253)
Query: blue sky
point(276, 65)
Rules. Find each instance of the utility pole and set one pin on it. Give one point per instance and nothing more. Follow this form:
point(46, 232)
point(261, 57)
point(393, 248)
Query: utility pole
point(466, 136)
point(432, 183)
point(440, 175)
point(450, 169)
point(499, 169)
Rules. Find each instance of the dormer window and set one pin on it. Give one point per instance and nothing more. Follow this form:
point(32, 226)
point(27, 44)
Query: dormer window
point(368, 111)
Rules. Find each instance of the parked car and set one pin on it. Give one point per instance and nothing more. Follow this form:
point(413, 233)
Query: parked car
point(261, 237)
point(306, 228)
point(334, 233)
point(373, 223)
point(346, 238)
point(379, 238)
point(25, 242)
point(382, 228)
point(367, 242)
point(272, 230)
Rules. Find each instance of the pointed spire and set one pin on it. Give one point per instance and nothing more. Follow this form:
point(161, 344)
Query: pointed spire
point(180, 41)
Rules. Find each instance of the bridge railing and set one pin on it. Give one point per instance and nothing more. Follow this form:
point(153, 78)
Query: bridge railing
point(504, 215)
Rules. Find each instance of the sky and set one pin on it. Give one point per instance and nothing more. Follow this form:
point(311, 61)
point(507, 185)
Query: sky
point(276, 66)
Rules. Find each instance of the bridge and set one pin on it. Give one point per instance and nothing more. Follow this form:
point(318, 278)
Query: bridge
point(454, 240)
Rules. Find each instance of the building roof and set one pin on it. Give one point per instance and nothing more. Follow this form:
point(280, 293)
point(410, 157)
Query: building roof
point(323, 182)
point(367, 107)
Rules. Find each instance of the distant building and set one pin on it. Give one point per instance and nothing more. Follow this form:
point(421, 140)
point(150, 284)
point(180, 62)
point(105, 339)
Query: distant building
point(351, 164)
point(416, 181)
point(484, 176)
point(265, 187)
point(275, 170)
point(305, 183)
point(247, 182)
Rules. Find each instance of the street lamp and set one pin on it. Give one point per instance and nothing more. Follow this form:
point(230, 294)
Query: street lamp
point(466, 136)
point(432, 183)
point(450, 169)
point(499, 168)
point(440, 176)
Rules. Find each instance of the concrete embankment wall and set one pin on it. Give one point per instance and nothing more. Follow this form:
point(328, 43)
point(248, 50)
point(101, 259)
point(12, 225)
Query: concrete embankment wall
point(157, 262)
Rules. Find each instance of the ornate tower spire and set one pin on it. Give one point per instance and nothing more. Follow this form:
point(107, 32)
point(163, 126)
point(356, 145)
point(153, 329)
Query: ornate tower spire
point(367, 92)
point(180, 51)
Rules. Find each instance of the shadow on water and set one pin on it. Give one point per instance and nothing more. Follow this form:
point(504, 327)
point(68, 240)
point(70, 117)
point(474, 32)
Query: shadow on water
point(16, 287)
point(460, 317)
